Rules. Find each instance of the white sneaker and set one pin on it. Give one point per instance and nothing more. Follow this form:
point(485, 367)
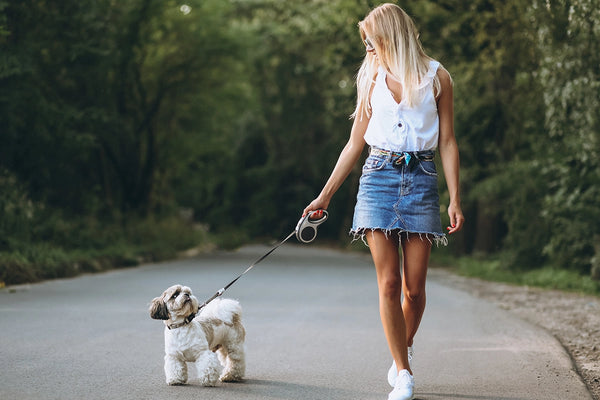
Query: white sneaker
point(403, 387)
point(393, 371)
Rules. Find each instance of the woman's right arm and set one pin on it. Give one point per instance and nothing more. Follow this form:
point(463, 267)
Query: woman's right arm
point(348, 157)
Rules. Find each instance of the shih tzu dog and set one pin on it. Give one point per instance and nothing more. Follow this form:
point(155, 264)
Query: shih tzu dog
point(212, 339)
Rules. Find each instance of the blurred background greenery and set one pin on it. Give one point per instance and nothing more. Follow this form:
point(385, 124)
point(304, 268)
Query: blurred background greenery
point(132, 130)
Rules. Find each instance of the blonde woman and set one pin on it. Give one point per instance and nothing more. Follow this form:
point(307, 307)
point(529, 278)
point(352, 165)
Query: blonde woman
point(404, 112)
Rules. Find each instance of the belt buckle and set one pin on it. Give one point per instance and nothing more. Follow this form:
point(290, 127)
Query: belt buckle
point(406, 157)
point(399, 160)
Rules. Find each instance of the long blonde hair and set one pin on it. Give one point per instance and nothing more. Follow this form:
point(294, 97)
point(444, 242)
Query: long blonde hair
point(396, 41)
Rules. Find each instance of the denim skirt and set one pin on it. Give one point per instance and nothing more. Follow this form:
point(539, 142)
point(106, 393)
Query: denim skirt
point(398, 193)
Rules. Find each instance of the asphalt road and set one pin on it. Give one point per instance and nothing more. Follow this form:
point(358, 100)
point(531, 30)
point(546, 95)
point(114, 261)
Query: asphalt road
point(313, 333)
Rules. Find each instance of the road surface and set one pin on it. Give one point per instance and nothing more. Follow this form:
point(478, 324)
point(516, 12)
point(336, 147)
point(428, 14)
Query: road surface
point(313, 333)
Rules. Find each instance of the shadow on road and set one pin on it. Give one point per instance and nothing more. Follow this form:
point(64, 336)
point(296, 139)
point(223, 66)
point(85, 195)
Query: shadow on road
point(290, 390)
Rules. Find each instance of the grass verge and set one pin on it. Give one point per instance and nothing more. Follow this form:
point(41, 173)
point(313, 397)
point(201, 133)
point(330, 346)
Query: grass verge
point(493, 269)
point(84, 248)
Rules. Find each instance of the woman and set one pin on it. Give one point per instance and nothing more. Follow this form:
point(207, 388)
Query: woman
point(404, 112)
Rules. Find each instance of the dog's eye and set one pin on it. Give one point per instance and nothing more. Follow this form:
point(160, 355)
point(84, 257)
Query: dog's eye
point(175, 295)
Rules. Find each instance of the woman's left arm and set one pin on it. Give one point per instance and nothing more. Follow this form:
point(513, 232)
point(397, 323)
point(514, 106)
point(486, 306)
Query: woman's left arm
point(449, 150)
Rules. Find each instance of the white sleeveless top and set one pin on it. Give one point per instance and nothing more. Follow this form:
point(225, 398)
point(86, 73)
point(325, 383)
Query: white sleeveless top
point(397, 127)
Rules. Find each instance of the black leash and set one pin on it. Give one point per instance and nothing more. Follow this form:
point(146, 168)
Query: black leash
point(305, 231)
point(222, 290)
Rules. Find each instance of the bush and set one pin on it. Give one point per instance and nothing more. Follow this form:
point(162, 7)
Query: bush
point(570, 157)
point(17, 211)
point(73, 247)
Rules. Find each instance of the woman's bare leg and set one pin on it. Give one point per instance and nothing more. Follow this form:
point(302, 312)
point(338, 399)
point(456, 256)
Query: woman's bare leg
point(386, 257)
point(415, 251)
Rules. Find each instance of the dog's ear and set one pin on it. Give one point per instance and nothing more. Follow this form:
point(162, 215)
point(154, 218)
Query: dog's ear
point(158, 309)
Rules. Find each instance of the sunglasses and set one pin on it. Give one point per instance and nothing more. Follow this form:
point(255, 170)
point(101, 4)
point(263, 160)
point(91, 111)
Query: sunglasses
point(368, 45)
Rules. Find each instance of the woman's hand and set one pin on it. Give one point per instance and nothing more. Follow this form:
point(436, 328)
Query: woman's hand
point(456, 218)
point(316, 204)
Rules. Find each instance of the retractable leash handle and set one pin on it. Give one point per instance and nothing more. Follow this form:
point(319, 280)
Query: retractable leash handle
point(306, 232)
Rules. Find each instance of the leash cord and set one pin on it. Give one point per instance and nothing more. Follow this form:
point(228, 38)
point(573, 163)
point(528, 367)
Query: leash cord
point(222, 290)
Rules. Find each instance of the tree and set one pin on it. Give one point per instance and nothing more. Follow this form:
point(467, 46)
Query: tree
point(302, 68)
point(94, 95)
point(568, 34)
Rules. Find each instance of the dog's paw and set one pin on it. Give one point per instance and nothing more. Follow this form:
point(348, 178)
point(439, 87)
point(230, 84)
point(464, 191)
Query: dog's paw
point(230, 377)
point(209, 382)
point(176, 383)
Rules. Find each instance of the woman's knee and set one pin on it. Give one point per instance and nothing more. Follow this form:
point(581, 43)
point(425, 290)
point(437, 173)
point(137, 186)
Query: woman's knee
point(390, 287)
point(414, 294)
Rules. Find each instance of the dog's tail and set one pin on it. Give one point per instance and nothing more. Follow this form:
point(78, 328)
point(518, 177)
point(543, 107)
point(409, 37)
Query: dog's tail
point(227, 310)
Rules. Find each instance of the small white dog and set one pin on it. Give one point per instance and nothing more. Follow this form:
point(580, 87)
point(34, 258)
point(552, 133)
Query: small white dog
point(196, 338)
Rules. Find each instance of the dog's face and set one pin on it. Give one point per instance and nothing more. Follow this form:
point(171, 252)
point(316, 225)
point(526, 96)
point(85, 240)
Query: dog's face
point(177, 302)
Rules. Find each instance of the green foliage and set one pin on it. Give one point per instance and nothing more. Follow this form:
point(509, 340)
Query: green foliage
point(569, 72)
point(488, 48)
point(495, 269)
point(302, 76)
point(62, 248)
point(17, 211)
point(99, 95)
point(116, 115)
point(3, 21)
point(526, 98)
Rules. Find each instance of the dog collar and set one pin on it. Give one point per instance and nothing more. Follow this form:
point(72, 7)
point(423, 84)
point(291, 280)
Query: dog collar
point(186, 321)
